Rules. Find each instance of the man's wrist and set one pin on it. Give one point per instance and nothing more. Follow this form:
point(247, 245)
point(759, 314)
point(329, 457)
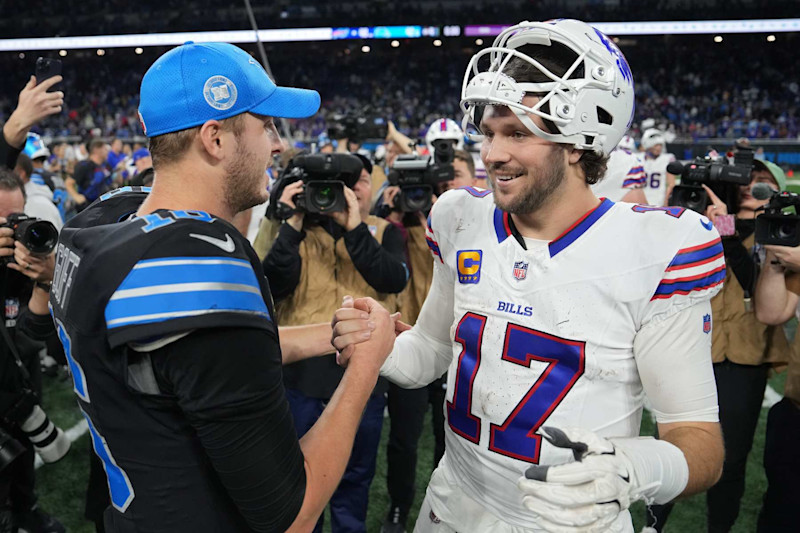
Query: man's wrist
point(14, 132)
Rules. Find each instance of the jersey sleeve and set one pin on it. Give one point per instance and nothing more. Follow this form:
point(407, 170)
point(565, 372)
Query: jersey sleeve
point(673, 358)
point(635, 178)
point(694, 274)
point(191, 275)
point(423, 354)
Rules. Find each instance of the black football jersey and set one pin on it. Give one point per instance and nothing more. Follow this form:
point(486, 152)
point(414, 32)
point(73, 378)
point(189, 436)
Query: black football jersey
point(125, 286)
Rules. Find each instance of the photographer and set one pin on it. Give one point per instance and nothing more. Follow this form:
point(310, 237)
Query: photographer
point(777, 296)
point(315, 261)
point(24, 286)
point(743, 348)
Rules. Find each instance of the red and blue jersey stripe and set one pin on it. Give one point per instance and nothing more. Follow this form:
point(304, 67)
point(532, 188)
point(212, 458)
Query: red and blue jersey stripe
point(696, 268)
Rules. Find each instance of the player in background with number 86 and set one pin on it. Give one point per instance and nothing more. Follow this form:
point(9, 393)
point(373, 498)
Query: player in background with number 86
point(544, 318)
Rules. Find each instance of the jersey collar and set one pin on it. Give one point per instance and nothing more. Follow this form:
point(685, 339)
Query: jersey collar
point(504, 227)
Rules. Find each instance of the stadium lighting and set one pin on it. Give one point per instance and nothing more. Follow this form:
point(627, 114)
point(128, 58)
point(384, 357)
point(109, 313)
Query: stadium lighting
point(365, 49)
point(770, 38)
point(479, 42)
point(139, 51)
point(437, 42)
point(62, 53)
point(395, 44)
point(718, 39)
point(101, 52)
point(682, 27)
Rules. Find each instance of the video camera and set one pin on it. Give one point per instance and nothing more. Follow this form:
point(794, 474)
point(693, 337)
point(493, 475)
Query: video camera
point(324, 178)
point(775, 226)
point(715, 172)
point(417, 175)
point(358, 126)
point(38, 236)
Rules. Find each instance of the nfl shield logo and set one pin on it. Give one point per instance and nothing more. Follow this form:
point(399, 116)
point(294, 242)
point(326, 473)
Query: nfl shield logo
point(520, 270)
point(706, 323)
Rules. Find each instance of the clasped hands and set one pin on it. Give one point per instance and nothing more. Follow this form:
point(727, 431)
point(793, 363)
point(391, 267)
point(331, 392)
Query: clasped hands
point(364, 331)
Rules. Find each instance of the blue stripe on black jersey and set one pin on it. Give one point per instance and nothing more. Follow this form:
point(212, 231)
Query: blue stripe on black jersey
point(668, 288)
point(697, 254)
point(580, 227)
point(177, 287)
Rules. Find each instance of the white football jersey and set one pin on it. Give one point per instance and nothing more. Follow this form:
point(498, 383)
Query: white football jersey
point(655, 169)
point(624, 172)
point(543, 334)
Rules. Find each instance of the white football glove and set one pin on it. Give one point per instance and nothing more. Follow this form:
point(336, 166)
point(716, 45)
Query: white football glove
point(586, 496)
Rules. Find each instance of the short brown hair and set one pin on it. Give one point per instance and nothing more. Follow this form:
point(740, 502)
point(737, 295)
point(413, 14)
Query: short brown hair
point(463, 155)
point(169, 148)
point(95, 144)
point(11, 182)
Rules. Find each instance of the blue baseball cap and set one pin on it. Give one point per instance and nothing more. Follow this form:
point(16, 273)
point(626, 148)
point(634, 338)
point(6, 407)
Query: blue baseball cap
point(197, 82)
point(140, 154)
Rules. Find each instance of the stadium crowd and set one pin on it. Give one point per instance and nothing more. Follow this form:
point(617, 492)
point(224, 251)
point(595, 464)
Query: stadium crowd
point(373, 245)
point(702, 94)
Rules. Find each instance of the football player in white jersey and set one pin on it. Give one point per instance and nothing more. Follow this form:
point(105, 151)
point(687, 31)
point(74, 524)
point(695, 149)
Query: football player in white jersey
point(624, 180)
point(659, 181)
point(553, 311)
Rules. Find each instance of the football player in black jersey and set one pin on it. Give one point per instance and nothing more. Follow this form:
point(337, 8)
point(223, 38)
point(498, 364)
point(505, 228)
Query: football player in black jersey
point(167, 323)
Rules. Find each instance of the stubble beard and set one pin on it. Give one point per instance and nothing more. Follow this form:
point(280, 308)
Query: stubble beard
point(546, 181)
point(243, 179)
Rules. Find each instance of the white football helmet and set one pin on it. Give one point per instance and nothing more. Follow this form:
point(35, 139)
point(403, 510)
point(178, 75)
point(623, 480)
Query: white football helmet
point(591, 112)
point(653, 137)
point(444, 128)
point(628, 143)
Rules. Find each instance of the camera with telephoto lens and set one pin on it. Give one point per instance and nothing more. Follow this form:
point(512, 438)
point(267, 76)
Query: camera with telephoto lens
point(723, 178)
point(48, 440)
point(774, 226)
point(38, 236)
point(358, 126)
point(418, 175)
point(324, 178)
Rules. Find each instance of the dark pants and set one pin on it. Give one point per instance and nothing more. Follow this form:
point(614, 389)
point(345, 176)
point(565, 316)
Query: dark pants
point(782, 466)
point(407, 408)
point(740, 390)
point(349, 502)
point(17, 479)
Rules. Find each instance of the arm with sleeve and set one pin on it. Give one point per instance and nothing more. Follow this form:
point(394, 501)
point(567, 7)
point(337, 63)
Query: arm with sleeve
point(283, 262)
point(237, 406)
point(382, 265)
point(422, 354)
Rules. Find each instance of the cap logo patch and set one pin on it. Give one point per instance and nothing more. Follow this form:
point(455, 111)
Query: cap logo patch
point(220, 92)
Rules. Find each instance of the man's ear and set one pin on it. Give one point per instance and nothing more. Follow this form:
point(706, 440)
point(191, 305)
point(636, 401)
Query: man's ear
point(211, 139)
point(575, 156)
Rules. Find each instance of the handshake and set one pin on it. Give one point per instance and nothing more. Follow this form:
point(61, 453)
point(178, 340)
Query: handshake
point(364, 332)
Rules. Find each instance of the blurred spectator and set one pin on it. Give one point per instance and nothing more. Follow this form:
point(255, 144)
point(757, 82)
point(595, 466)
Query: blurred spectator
point(39, 197)
point(91, 177)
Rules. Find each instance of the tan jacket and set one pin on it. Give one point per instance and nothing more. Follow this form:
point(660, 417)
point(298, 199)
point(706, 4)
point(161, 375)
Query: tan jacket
point(327, 275)
point(411, 299)
point(737, 335)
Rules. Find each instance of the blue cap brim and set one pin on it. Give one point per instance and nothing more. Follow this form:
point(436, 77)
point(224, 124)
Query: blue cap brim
point(288, 102)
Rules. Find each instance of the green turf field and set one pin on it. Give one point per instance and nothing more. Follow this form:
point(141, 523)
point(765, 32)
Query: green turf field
point(61, 486)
